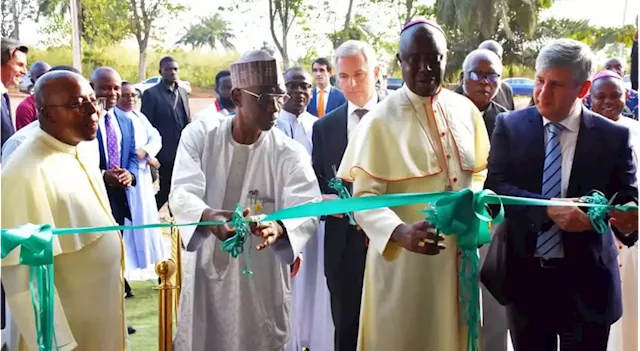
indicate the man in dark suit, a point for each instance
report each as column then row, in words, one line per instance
column 504, row 95
column 116, row 142
column 167, row 107
column 345, row 247
column 325, row 97
column 562, row 277
column 14, row 66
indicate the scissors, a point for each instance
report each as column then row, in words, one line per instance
column 610, row 203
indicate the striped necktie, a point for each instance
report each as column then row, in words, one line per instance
column 549, row 243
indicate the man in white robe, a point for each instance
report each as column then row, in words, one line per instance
column 311, row 321
column 50, row 180
column 240, row 160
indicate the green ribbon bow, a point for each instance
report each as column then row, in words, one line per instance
column 463, row 213
column 343, row 193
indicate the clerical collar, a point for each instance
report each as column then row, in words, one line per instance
column 420, row 100
column 54, row 143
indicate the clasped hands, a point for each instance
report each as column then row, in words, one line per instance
column 269, row 231
column 573, row 219
column 118, row 177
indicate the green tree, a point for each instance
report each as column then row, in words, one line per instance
column 285, row 13
column 212, row 31
column 144, row 19
column 13, row 12
column 102, row 22
column 485, row 16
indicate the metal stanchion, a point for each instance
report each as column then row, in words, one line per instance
column 176, row 256
column 165, row 270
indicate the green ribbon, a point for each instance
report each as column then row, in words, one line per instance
column 461, row 213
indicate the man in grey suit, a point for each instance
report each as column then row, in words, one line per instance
column 167, row 107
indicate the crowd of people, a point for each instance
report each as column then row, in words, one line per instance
column 79, row 153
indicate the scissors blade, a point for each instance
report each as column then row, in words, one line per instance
column 612, row 199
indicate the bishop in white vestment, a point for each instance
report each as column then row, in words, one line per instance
column 240, row 160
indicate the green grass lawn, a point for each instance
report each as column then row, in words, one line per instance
column 142, row 314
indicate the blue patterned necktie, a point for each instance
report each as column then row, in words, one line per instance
column 112, row 143
column 549, row 243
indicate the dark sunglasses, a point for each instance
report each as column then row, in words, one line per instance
column 478, row 76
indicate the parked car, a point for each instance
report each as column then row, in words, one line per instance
column 394, row 83
column 142, row 86
column 521, row 86
column 26, row 85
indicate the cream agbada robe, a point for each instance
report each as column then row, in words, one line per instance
column 413, row 144
column 48, row 182
column 221, row 309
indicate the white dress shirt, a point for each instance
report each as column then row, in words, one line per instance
column 103, row 133
column 299, row 128
column 352, row 117
column 568, row 141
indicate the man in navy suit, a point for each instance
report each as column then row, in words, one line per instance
column 325, row 97
column 345, row 247
column 562, row 277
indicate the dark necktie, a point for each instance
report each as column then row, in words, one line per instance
column 7, row 123
column 361, row 112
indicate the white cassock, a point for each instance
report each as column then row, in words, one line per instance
column 143, row 247
column 220, row 308
column 311, row 320
column 623, row 335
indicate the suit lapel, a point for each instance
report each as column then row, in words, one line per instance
column 535, row 145
column 103, row 159
column 185, row 103
column 339, row 136
column 584, row 153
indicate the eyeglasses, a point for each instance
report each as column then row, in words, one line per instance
column 85, row 107
column 130, row 96
column 298, row 85
column 268, row 98
column 478, row 76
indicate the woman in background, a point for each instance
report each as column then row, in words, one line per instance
column 143, row 247
column 608, row 99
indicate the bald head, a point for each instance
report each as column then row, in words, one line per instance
column 55, row 86
column 67, row 107
column 480, row 56
column 423, row 57
column 104, row 72
column 296, row 73
column 615, row 64
column 38, row 69
column 107, row 84
column 492, row 45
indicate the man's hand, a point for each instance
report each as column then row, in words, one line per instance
column 118, row 177
column 295, row 267
column 569, row 218
column 141, row 154
column 269, row 231
column 222, row 232
column 419, row 237
column 154, row 163
column 625, row 221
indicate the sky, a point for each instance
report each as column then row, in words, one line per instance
column 252, row 29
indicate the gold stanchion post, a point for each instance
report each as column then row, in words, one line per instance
column 165, row 270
